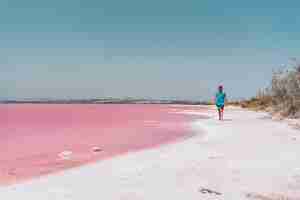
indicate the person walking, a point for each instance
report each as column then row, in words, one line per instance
column 220, row 101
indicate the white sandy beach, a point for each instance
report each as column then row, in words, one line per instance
column 247, row 156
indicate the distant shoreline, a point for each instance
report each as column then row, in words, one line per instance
column 105, row 101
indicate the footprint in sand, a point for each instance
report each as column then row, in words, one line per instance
column 209, row 191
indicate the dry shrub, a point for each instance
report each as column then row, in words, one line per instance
column 262, row 101
column 285, row 92
column 282, row 97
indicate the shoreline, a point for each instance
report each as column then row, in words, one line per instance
column 246, row 157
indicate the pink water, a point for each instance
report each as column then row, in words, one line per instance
column 33, row 135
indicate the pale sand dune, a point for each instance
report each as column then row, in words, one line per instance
column 247, row 156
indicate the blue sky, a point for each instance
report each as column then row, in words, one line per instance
column 158, row 49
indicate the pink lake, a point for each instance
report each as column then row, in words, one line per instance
column 32, row 136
